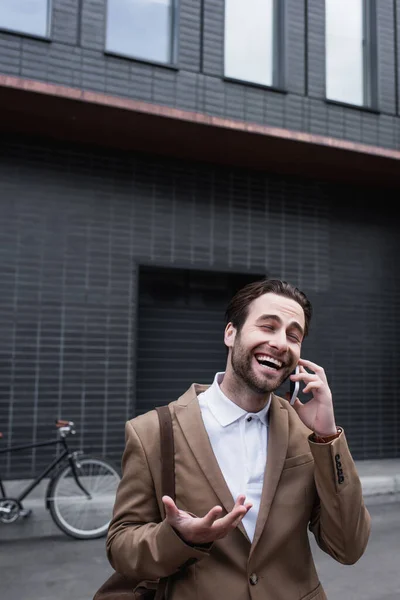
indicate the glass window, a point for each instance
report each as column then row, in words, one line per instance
column 345, row 51
column 25, row 16
column 141, row 29
column 249, row 40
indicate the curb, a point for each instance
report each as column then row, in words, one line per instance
column 380, row 489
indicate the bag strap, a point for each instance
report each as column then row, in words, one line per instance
column 167, row 472
column 167, row 452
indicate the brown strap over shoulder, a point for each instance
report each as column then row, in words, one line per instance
column 167, row 452
column 167, row 470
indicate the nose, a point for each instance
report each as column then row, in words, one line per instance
column 279, row 341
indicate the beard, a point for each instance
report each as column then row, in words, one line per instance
column 242, row 366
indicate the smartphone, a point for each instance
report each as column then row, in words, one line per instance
column 294, row 387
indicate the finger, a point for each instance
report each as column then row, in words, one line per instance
column 228, row 521
column 236, row 513
column 240, row 500
column 302, row 372
column 240, row 517
column 171, row 510
column 305, row 377
column 212, row 515
column 313, row 385
column 237, row 521
column 313, row 366
column 247, row 506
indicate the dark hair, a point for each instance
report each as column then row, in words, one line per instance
column 238, row 308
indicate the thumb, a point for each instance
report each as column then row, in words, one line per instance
column 171, row 510
column 297, row 405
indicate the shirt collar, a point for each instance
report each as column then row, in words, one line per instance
column 227, row 412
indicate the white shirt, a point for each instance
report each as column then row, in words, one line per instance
column 239, row 441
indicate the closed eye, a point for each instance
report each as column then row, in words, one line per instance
column 294, row 337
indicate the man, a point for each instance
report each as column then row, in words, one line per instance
column 252, row 472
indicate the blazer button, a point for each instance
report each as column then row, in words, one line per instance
column 337, row 457
column 338, row 464
column 341, row 479
column 253, row 579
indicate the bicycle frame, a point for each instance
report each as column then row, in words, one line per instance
column 66, row 453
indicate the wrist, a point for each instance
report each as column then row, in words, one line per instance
column 183, row 538
column 326, row 431
column 193, row 543
column 319, row 438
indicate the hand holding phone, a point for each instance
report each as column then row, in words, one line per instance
column 294, row 387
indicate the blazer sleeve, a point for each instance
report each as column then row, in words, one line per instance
column 140, row 545
column 340, row 522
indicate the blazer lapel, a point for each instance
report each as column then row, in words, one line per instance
column 278, row 438
column 189, row 417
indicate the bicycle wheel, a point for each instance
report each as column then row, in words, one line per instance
column 71, row 509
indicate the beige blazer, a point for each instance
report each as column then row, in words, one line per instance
column 305, row 484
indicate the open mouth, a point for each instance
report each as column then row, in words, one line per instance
column 269, row 362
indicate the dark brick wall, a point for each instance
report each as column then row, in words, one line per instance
column 75, row 57
column 75, row 224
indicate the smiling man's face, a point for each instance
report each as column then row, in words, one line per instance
column 267, row 348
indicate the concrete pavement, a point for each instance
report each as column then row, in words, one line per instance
column 59, row 568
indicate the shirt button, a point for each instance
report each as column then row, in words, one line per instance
column 253, row 579
column 249, row 419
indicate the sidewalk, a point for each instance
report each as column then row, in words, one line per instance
column 380, row 480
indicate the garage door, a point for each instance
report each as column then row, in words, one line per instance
column 180, row 331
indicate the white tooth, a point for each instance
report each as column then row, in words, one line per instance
column 271, row 359
column 276, row 362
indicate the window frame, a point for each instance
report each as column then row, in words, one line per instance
column 370, row 54
column 278, row 50
column 369, row 60
column 173, row 45
column 35, row 36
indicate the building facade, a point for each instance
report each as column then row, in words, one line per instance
column 158, row 154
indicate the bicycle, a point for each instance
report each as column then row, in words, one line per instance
column 80, row 493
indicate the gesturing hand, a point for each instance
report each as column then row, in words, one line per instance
column 317, row 414
column 211, row 527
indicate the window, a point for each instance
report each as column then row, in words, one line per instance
column 26, row 16
column 252, row 36
column 141, row 29
column 350, row 47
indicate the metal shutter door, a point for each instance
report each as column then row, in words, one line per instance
column 180, row 331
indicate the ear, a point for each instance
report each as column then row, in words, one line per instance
column 230, row 335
